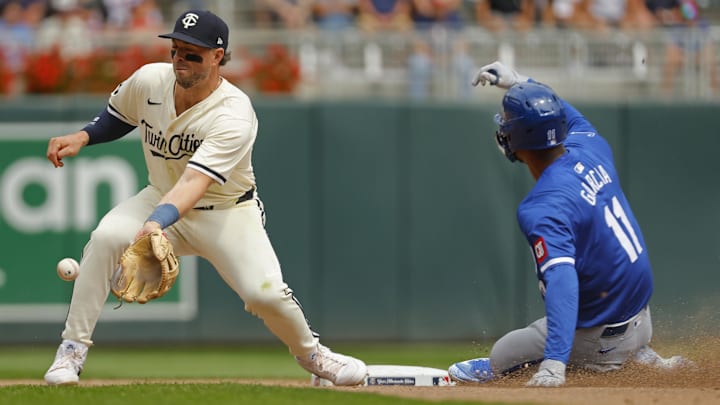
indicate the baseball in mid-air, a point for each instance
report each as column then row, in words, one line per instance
column 68, row 269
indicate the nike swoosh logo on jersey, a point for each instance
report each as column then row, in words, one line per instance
column 605, row 351
column 152, row 102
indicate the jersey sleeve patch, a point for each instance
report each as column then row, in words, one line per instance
column 540, row 250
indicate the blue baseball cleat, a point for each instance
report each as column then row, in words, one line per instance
column 476, row 371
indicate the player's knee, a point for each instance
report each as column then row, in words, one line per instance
column 111, row 239
column 263, row 302
column 516, row 350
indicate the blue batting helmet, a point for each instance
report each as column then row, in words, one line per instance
column 532, row 118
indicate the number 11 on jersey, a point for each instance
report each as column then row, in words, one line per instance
column 624, row 233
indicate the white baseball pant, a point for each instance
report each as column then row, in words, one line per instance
column 233, row 240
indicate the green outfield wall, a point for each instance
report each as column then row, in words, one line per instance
column 392, row 221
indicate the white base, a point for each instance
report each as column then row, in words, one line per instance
column 397, row 375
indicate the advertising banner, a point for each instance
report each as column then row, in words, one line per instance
column 47, row 213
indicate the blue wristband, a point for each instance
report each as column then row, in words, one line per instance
column 165, row 215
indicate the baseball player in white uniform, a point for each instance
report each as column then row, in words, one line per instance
column 197, row 132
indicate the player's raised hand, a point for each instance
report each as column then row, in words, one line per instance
column 497, row 74
column 67, row 145
column 550, row 374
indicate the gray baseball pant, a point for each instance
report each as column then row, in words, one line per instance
column 600, row 348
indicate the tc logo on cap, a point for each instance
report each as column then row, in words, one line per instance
column 190, row 20
column 201, row 28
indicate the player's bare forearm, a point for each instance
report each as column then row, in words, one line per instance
column 188, row 190
column 64, row 146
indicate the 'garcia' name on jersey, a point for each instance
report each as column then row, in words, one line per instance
column 595, row 179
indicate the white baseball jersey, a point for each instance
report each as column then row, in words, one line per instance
column 215, row 136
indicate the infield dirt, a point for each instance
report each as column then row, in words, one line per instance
column 633, row 385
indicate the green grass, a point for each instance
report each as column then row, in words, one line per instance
column 201, row 394
column 208, row 362
column 245, row 361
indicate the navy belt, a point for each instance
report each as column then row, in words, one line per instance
column 620, row 329
column 245, row 197
column 615, row 330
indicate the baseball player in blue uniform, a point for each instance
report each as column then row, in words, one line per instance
column 591, row 259
column 197, row 133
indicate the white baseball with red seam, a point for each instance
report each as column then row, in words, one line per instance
column 68, row 269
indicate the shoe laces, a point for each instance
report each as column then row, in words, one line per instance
column 70, row 357
column 329, row 362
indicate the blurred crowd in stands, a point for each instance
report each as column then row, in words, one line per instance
column 45, row 45
column 493, row 15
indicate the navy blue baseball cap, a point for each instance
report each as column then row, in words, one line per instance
column 201, row 28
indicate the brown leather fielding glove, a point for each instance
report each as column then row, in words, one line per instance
column 147, row 269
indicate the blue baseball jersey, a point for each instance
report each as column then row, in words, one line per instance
column 590, row 255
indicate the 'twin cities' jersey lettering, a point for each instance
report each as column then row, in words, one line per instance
column 214, row 136
column 595, row 179
column 183, row 144
column 154, row 139
column 175, row 147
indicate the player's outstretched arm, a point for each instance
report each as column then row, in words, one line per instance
column 64, row 146
column 499, row 75
column 188, row 190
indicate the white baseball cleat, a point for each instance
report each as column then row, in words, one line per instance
column 338, row 368
column 68, row 364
